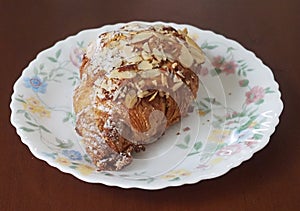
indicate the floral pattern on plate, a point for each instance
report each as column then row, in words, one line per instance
column 235, row 113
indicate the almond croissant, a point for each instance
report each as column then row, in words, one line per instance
column 135, row 82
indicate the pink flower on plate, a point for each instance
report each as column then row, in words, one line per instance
column 255, row 94
column 229, row 67
column 76, row 56
column 203, row 71
column 218, row 61
column 229, row 150
column 222, row 66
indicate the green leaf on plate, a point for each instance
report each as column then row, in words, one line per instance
column 63, row 144
column 197, row 145
column 257, row 136
column 243, row 83
column 215, row 71
column 45, row 129
column 182, row 146
column 187, row 139
column 57, row 54
column 32, row 124
column 41, row 66
column 52, row 59
column 27, row 116
column 175, row 179
column 259, row 102
column 20, row 100
column 230, row 49
column 27, row 129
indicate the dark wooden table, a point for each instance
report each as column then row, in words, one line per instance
column 268, row 181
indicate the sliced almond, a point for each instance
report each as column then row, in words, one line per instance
column 141, row 83
column 180, row 74
column 170, row 57
column 134, row 59
column 150, row 73
column 130, row 99
column 176, row 79
column 122, row 75
column 197, row 54
column 153, row 96
column 141, row 37
column 127, row 50
column 146, row 56
column 154, row 82
column 142, row 94
column 146, row 47
column 174, row 65
column 183, row 32
column 145, row 65
column 157, row 54
column 185, row 57
column 177, row 86
column 164, row 80
column 117, row 62
column 191, row 42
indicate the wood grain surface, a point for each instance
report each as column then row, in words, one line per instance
column 270, row 180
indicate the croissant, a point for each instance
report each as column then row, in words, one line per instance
column 134, row 83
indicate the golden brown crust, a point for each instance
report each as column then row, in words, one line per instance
column 135, row 83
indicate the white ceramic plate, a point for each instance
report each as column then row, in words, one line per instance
column 235, row 114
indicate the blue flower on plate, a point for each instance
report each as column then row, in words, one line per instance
column 72, row 154
column 36, row 84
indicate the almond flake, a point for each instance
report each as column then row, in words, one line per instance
column 174, row 65
column 154, row 82
column 130, row 99
column 146, row 47
column 177, row 86
column 146, row 56
column 191, row 42
column 141, row 37
column 141, row 83
column 144, row 65
column 150, row 73
column 164, row 80
column 153, row 96
column 180, row 74
column 124, row 74
column 197, row 54
column 127, row 51
column 185, row 57
column 142, row 94
column 157, row 54
column 117, row 62
column 134, row 59
column 176, row 79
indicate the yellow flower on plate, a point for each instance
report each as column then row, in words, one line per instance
column 176, row 173
column 201, row 112
column 218, row 135
column 34, row 106
column 85, row 169
column 253, row 124
column 63, row 161
column 216, row 160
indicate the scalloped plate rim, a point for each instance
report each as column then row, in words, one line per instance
column 192, row 180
